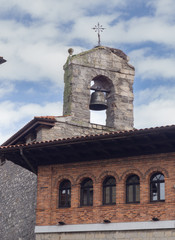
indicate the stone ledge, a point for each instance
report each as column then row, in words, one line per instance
column 125, row 226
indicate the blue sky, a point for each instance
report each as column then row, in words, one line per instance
column 36, row 35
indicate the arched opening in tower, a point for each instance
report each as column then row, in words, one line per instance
column 101, row 86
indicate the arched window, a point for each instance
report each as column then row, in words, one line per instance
column 157, row 187
column 109, row 191
column 133, row 189
column 86, row 192
column 65, row 194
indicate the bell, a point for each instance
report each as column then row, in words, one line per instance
column 98, row 101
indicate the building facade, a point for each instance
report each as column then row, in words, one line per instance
column 94, row 181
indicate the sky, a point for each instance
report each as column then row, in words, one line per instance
column 35, row 37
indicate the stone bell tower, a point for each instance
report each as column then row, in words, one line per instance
column 105, row 70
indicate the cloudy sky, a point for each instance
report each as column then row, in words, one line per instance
column 35, row 36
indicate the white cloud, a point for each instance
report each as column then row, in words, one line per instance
column 50, row 10
column 149, row 66
column 37, row 51
column 31, row 60
column 156, row 113
column 163, row 8
column 15, row 115
column 156, row 107
column 140, row 30
column 148, row 95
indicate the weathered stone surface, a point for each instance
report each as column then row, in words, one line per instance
column 118, row 235
column 65, row 127
column 104, row 66
column 17, row 203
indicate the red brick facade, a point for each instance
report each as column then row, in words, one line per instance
column 49, row 178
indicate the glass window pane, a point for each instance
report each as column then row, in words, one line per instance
column 162, row 191
column 157, row 177
column 87, row 192
column 107, row 195
column 84, row 197
column 137, row 188
column 65, row 194
column 157, row 187
column 113, row 194
column 161, row 177
column 130, row 193
column 68, row 197
column 91, row 197
column 109, row 190
column 110, row 181
column 65, row 184
column 87, row 183
column 154, row 192
column 63, row 198
column 133, row 179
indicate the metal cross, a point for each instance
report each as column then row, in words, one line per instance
column 98, row 28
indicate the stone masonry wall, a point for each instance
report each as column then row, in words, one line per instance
column 67, row 127
column 17, row 203
column 119, row 235
column 81, row 69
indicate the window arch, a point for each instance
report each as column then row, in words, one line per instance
column 109, row 191
column 86, row 198
column 133, row 189
column 157, row 187
column 65, row 194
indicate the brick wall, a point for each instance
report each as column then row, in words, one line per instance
column 49, row 178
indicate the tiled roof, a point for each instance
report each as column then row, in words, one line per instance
column 113, row 145
column 95, row 136
column 45, row 117
column 47, row 120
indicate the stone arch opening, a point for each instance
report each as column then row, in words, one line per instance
column 104, row 85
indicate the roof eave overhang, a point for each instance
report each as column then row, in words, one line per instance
column 33, row 124
column 88, row 148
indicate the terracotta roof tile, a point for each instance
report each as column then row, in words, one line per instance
column 45, row 117
column 95, row 136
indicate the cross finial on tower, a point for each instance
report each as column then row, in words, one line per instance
column 98, row 28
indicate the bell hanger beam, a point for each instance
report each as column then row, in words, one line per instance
column 99, row 89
